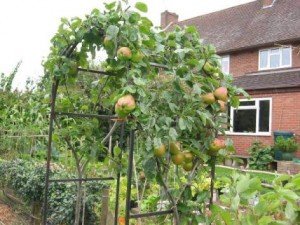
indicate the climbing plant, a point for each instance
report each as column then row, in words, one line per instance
column 167, row 85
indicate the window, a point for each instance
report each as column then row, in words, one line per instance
column 275, row 58
column 252, row 117
column 225, row 64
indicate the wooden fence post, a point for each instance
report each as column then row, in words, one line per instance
column 105, row 206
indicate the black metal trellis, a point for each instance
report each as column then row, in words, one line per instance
column 53, row 115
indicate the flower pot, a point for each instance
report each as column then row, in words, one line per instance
column 287, row 156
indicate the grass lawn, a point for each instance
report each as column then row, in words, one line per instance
column 266, row 178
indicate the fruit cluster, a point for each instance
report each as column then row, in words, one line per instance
column 186, row 158
column 178, row 157
column 220, row 95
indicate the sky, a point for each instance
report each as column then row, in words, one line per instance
column 26, row 26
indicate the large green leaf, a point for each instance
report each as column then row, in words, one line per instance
column 141, row 6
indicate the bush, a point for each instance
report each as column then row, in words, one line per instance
column 27, row 179
column 260, row 156
column 286, row 145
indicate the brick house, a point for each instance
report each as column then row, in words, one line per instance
column 259, row 44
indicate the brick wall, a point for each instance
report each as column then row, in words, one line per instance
column 288, row 167
column 243, row 62
column 247, row 61
column 285, row 117
column 296, row 56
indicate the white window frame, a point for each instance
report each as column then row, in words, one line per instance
column 225, row 57
column 256, row 106
column 280, row 58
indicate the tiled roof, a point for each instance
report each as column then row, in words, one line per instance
column 288, row 78
column 249, row 25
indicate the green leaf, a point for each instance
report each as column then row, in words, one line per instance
column 141, row 6
column 191, row 29
column 235, row 101
column 182, row 124
column 117, row 150
column 290, row 212
column 235, row 202
column 110, row 6
column 243, row 184
column 139, row 81
column 150, row 168
column 173, row 134
column 112, row 31
column 265, row 220
column 288, row 194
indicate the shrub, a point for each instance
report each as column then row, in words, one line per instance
column 27, row 180
column 260, row 156
column 286, row 145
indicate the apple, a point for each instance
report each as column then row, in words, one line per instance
column 124, row 53
column 208, row 98
column 208, row 68
column 160, row 151
column 188, row 156
column 223, row 107
column 125, row 105
column 221, row 93
column 188, row 166
column 178, row 159
column 174, row 148
column 216, row 145
column 107, row 41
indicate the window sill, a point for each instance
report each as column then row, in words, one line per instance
column 249, row 134
column 277, row 68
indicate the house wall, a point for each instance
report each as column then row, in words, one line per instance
column 243, row 62
column 285, row 117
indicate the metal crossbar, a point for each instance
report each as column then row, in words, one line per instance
column 157, row 213
column 108, row 117
column 83, row 179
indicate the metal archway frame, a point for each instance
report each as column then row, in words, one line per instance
column 54, row 114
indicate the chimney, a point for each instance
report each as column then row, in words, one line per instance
column 267, row 3
column 167, row 18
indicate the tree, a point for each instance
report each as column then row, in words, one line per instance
column 170, row 105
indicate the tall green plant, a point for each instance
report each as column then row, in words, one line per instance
column 260, row 156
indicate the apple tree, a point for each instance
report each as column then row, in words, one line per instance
column 168, row 85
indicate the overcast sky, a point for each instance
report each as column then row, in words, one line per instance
column 26, row 26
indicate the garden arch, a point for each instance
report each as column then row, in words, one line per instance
column 187, row 104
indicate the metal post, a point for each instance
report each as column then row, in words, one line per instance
column 212, row 180
column 119, row 176
column 129, row 178
column 52, row 116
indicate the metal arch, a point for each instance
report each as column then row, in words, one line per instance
column 53, row 114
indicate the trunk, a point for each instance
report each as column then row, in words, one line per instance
column 36, row 213
column 78, row 200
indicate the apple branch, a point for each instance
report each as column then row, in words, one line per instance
column 114, row 127
column 189, row 182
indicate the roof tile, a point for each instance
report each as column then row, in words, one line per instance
column 249, row 25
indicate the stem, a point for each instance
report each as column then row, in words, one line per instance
column 114, row 127
column 191, row 177
column 176, row 214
